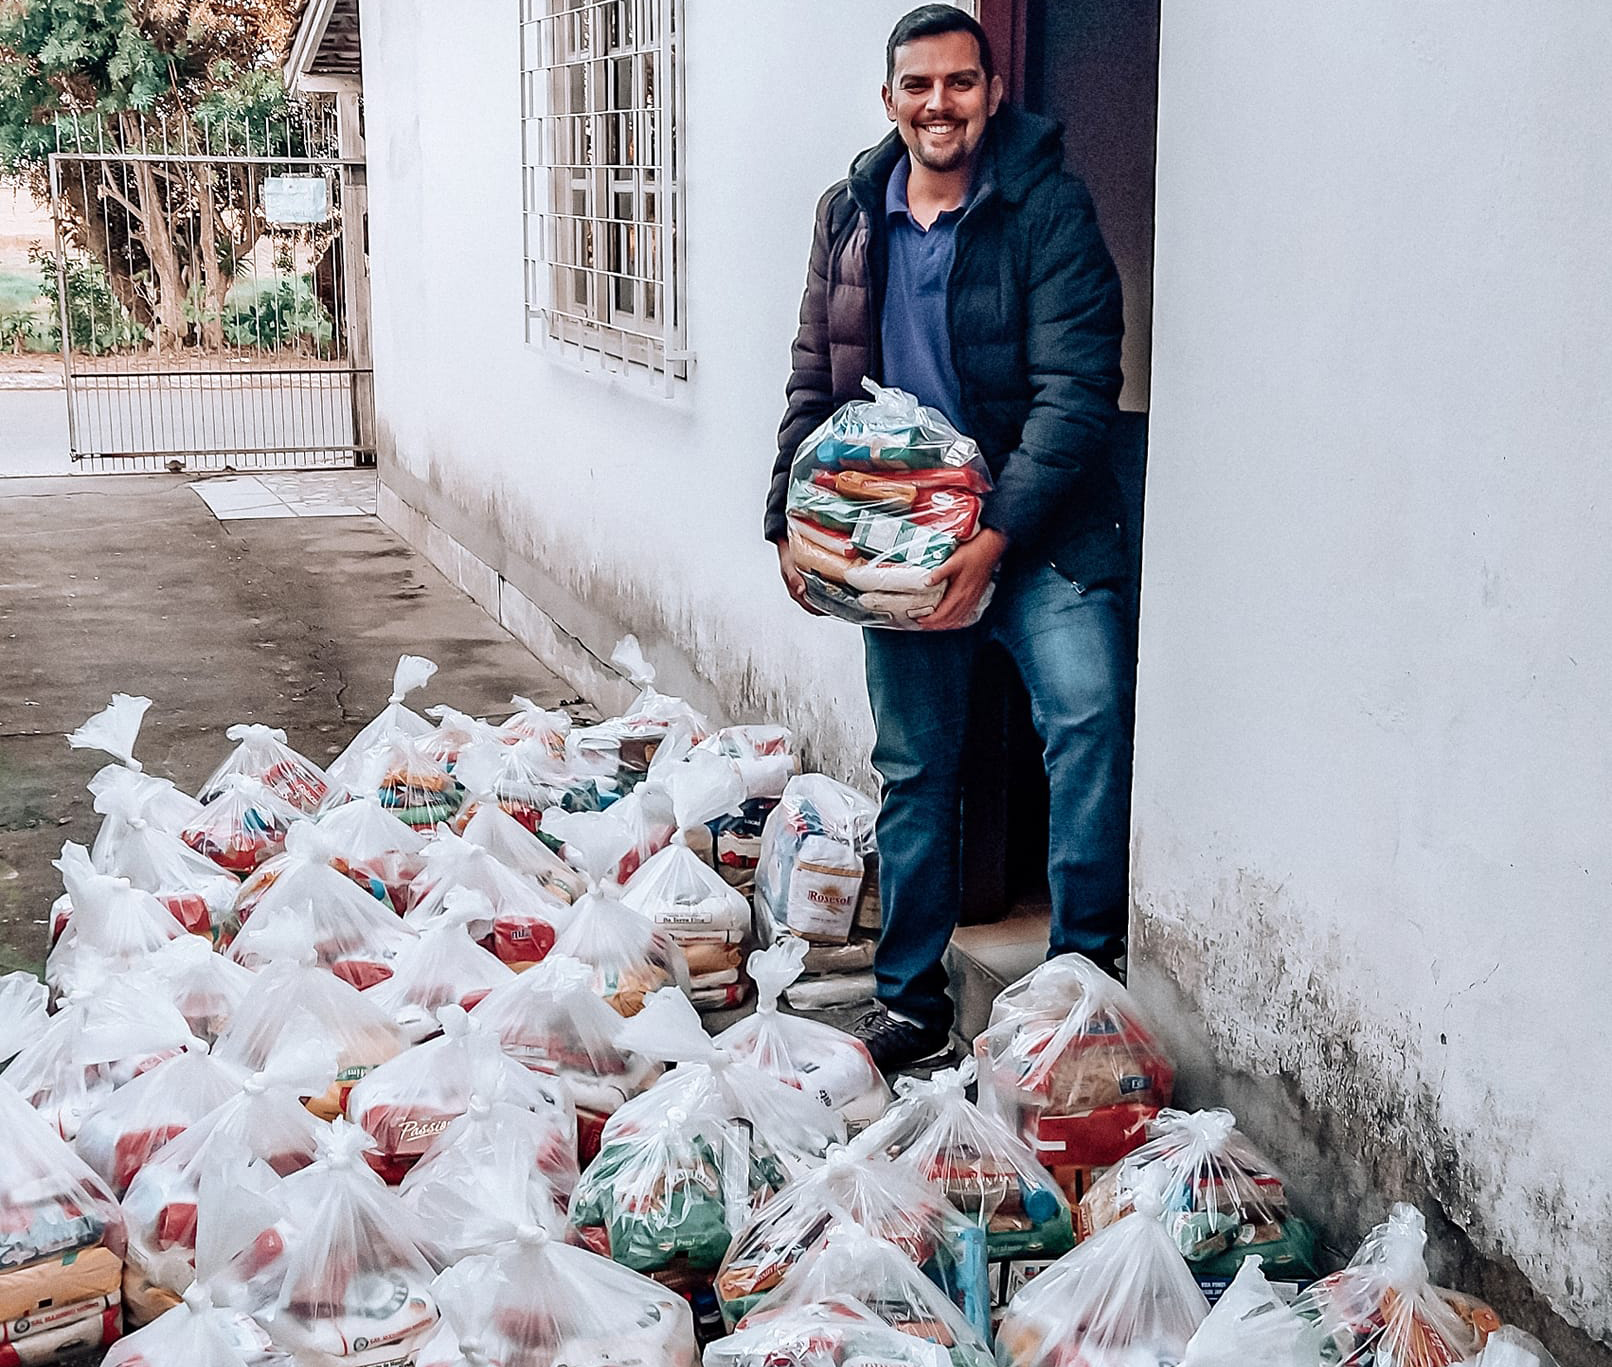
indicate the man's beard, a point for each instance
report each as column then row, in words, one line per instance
column 950, row 161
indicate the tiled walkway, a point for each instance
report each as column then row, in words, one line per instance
column 290, row 493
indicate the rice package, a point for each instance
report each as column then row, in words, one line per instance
column 294, row 1006
column 392, row 722
column 551, row 1020
column 443, row 966
column 881, row 494
column 261, row 753
column 526, row 917
column 1223, row 1199
column 540, row 1301
column 1124, row 1298
column 852, row 1298
column 1069, row 1061
column 372, row 847
column 244, row 825
column 813, row 859
column 1384, row 1311
column 891, row 1202
column 1251, row 1325
column 482, row 1179
column 204, row 987
column 409, row 1100
column 339, row 1276
column 808, row 1055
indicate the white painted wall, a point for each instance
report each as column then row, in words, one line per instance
column 1374, row 790
column 642, row 510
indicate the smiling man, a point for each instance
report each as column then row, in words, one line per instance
column 961, row 263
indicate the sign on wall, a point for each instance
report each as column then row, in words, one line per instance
column 296, row 199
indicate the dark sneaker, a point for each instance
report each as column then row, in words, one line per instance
column 897, row 1044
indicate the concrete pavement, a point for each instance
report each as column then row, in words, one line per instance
column 128, row 583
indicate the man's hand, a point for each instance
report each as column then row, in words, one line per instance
column 794, row 580
column 966, row 573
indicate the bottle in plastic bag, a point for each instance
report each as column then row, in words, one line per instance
column 483, row 1178
column 834, row 1302
column 551, row 1020
column 242, row 827
column 1070, row 1062
column 1383, row 1309
column 444, row 966
column 1251, row 1326
column 406, row 1102
column 542, row 1301
column 262, row 754
column 809, row 1055
column 881, row 494
column 394, row 720
column 891, row 1202
column 1223, row 1199
column 1124, row 1298
column 814, row 852
column 526, row 917
column 372, row 847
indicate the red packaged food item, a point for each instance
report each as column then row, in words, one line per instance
column 1069, row 1062
column 405, row 1103
column 262, row 754
column 243, row 826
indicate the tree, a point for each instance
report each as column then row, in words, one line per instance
column 177, row 76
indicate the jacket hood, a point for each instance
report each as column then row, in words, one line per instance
column 1021, row 150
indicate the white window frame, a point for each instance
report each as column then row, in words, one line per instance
column 602, row 191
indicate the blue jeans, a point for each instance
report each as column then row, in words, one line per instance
column 1071, row 647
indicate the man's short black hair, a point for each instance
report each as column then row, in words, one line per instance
column 929, row 21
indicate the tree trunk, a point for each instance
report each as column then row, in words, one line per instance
column 216, row 279
column 156, row 232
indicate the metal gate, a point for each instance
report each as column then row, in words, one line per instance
column 212, row 290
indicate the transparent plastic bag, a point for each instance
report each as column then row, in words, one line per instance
column 1223, row 1199
column 526, row 917
column 196, row 1333
column 808, row 1055
column 1510, row 1347
column 814, row 852
column 683, row 895
column 532, row 721
column 409, row 1100
column 879, row 495
column 1251, row 1326
column 394, row 720
column 23, row 1003
column 523, row 779
column 244, row 825
column 51, row 1202
column 493, row 829
column 1124, row 1298
column 372, row 847
column 541, row 1301
column 1383, row 1309
column 455, row 732
column 262, row 754
column 204, row 987
column 309, row 904
column 641, row 823
column 264, row 1120
column 653, row 711
column 198, row 893
column 408, row 784
column 340, row 1274
column 294, row 1006
column 443, row 967
column 891, row 1202
column 846, row 1271
column 551, row 1020
column 108, row 1033
column 1070, row 1062
column 112, row 927
column 482, row 1179
column 989, row 1174
column 765, row 755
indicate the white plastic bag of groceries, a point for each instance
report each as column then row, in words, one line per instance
column 443, row 967
column 412, row 672
column 197, row 1333
column 455, row 732
column 23, row 1002
column 1127, row 1290
column 1509, row 1346
column 814, row 851
column 114, row 730
column 204, row 987
column 494, row 830
column 1251, row 1326
column 261, row 753
column 809, row 1055
column 882, row 493
column 523, row 778
column 114, row 926
column 532, row 721
column 373, row 848
column 541, row 1301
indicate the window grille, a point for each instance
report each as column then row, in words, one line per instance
column 602, row 166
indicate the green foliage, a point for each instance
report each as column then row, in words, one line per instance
column 16, row 331
column 285, row 314
column 96, row 321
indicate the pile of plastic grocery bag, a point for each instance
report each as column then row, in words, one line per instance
column 401, row 1063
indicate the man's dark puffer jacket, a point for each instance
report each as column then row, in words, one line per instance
column 1036, row 324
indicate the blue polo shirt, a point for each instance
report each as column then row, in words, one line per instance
column 913, row 329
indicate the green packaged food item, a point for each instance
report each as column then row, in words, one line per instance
column 901, row 541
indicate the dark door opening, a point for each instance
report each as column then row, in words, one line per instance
column 1093, row 66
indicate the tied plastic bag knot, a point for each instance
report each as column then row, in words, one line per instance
column 628, row 657
column 197, row 1299
column 676, row 1117
column 840, row 1159
column 773, row 969
column 479, row 1107
column 1403, row 1246
column 1152, row 1193
column 413, row 671
column 565, row 974
column 254, row 731
column 114, row 729
column 463, row 907
column 456, row 1023
column 343, row 1148
column 1203, row 1132
column 530, row 1236
column 473, row 1354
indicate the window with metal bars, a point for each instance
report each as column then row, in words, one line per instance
column 601, row 164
